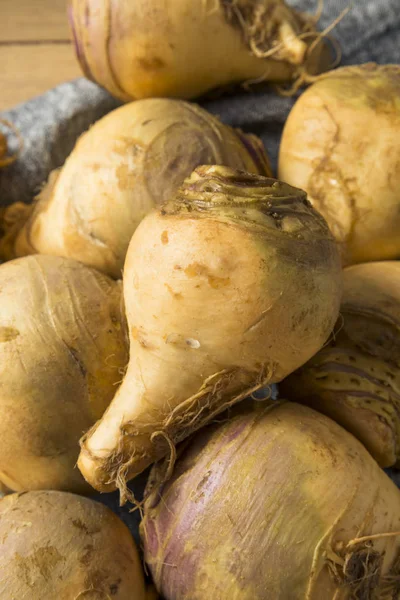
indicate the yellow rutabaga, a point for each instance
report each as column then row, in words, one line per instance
column 62, row 353
column 231, row 285
column 183, row 48
column 355, row 379
column 341, row 144
column 275, row 503
column 133, row 159
column 58, row 546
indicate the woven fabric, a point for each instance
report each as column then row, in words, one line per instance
column 50, row 124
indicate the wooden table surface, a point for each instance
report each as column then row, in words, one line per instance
column 36, row 53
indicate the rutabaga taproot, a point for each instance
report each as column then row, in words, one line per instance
column 130, row 161
column 63, row 350
column 230, row 286
column 58, row 546
column 183, row 48
column 355, row 379
column 276, row 503
column 341, row 144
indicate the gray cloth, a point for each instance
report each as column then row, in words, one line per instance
column 51, row 123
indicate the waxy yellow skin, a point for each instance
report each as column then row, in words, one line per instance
column 56, row 545
column 232, row 285
column 63, row 350
column 341, row 145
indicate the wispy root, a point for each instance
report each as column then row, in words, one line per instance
column 357, row 567
column 269, row 33
column 303, row 75
column 263, row 25
column 335, row 332
column 141, row 443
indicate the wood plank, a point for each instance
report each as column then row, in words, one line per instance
column 28, row 71
column 25, row 20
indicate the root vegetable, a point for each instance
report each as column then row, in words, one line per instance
column 230, row 286
column 130, row 161
column 355, row 378
column 275, row 503
column 341, row 145
column 63, row 349
column 183, row 48
column 56, row 545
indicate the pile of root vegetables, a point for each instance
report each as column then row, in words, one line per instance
column 160, row 284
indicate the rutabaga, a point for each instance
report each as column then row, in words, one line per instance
column 230, row 286
column 355, row 379
column 133, row 159
column 276, row 503
column 58, row 546
column 63, row 350
column 341, row 144
column 183, row 48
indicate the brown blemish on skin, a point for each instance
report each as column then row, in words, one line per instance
column 137, row 335
column 125, row 145
column 80, row 525
column 164, row 237
column 87, row 558
column 176, row 295
column 114, row 587
column 203, row 481
column 40, row 563
column 98, row 580
column 151, row 63
column 196, row 269
column 125, row 177
column 75, row 355
column 7, row 334
column 218, row 282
